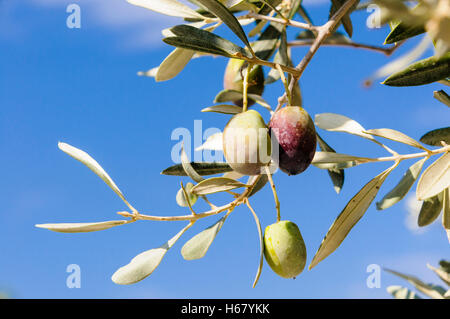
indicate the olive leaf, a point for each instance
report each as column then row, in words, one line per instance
column 346, row 21
column 173, row 64
column 141, row 266
column 190, row 171
column 399, row 292
column 261, row 246
column 197, row 246
column 446, row 213
column 227, row 96
column 435, row 178
column 81, row 227
column 340, row 123
column 443, row 97
column 281, row 57
column 403, row 186
column 150, row 73
column 213, row 142
column 337, row 175
column 432, row 291
column 402, row 32
column 430, row 210
column 202, row 168
column 224, row 109
column 188, row 37
column 220, row 11
column 435, row 137
column 441, row 273
column 395, row 136
column 266, row 44
column 93, row 165
column 422, row 72
column 333, row 160
column 259, row 184
column 349, row 216
column 168, row 7
column 215, row 185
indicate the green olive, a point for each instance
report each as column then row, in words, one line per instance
column 284, row 249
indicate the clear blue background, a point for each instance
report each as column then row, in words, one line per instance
column 80, row 86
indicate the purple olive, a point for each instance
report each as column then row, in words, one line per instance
column 293, row 129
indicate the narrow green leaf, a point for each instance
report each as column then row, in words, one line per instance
column 349, row 217
column 195, row 39
column 173, row 64
column 446, row 214
column 403, row 187
column 224, row 109
column 145, row 263
column 337, row 175
column 435, row 178
column 202, row 168
column 92, row 164
column 346, row 21
column 281, row 57
column 220, row 11
column 429, row 290
column 168, row 7
column 402, row 32
column 259, row 185
column 430, row 210
column 443, row 97
column 228, row 96
column 213, row 142
column 399, row 292
column 395, row 136
column 190, row 171
column 266, row 44
column 81, row 227
column 197, row 246
column 215, row 185
column 422, row 72
column 340, row 123
column 441, row 273
column 261, row 246
column 333, row 160
column 435, row 137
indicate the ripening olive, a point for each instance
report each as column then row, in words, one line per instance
column 284, row 249
column 293, row 129
column 246, row 143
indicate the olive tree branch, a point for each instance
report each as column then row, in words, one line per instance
column 387, row 51
column 230, row 206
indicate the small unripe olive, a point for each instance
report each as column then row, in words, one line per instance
column 246, row 143
column 284, row 249
column 233, row 79
column 181, row 198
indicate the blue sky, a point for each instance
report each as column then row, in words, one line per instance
column 80, row 86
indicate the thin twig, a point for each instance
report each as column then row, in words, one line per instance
column 292, row 23
column 274, row 191
column 387, row 51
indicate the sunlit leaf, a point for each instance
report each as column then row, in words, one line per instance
column 435, row 178
column 340, row 123
column 441, row 273
column 87, row 160
column 220, row 11
column 395, row 136
column 81, row 227
column 443, row 97
column 422, row 72
column 197, row 246
column 215, row 185
column 190, row 171
column 195, row 39
column 261, row 245
column 202, row 168
column 213, row 142
column 446, row 207
column 168, row 7
column 349, row 216
column 432, row 291
column 227, row 96
column 333, row 160
column 224, row 109
column 259, row 184
column 430, row 210
column 435, row 137
column 181, row 198
column 173, row 64
column 403, row 187
column 337, row 175
column 145, row 263
column 399, row 292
